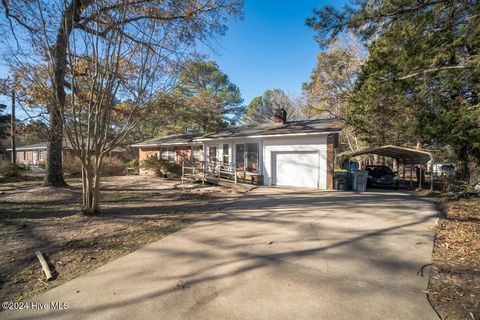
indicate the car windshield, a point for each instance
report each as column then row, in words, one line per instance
column 379, row 171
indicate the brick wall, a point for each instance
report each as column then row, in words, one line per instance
column 144, row 153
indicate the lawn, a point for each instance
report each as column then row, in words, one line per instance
column 454, row 288
column 135, row 211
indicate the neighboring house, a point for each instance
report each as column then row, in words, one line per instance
column 34, row 154
column 297, row 153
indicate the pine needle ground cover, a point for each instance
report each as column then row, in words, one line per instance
column 454, row 288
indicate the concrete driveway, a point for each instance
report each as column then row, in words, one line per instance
column 274, row 254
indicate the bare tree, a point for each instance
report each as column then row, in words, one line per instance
column 169, row 27
column 331, row 85
column 262, row 108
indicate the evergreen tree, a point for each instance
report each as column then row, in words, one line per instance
column 205, row 98
column 421, row 78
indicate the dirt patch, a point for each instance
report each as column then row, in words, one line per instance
column 135, row 211
column 454, row 288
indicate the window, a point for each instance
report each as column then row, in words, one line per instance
column 247, row 153
column 226, row 155
column 240, row 156
column 212, row 154
column 41, row 155
column 168, row 154
column 252, row 157
column 197, row 154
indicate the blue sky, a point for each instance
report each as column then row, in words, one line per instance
column 271, row 47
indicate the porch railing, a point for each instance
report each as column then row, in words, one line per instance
column 214, row 169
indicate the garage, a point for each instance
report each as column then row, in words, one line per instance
column 295, row 169
column 296, row 162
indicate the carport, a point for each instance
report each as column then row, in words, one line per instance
column 403, row 156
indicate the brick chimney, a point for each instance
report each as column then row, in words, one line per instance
column 280, row 116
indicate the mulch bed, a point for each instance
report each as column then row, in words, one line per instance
column 454, row 288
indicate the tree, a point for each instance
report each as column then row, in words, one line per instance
column 331, row 87
column 31, row 132
column 421, row 78
column 205, row 98
column 168, row 28
column 262, row 108
column 4, row 127
column 4, row 122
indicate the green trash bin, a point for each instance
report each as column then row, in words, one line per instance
column 341, row 180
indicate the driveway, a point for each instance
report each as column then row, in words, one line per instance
column 274, row 254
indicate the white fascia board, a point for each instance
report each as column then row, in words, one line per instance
column 163, row 144
column 25, row 149
column 270, row 136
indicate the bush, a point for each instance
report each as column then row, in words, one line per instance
column 112, row 165
column 72, row 165
column 133, row 164
column 41, row 164
column 161, row 167
column 10, row 170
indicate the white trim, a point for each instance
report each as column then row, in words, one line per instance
column 164, row 144
column 25, row 149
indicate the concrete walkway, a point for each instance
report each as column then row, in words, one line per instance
column 274, row 254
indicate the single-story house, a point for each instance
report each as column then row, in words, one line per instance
column 34, row 154
column 296, row 153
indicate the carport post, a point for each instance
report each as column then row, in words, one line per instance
column 420, row 176
column 431, row 174
column 411, row 175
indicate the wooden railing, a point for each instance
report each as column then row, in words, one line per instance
column 215, row 169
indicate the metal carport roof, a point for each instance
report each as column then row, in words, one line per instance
column 404, row 155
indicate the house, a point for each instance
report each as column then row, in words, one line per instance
column 297, row 153
column 35, row 154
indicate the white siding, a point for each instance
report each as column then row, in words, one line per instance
column 317, row 145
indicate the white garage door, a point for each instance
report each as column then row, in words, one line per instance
column 296, row 169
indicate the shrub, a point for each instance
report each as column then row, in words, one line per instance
column 41, row 164
column 10, row 170
column 112, row 165
column 161, row 167
column 133, row 164
column 72, row 165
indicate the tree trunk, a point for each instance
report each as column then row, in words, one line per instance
column 54, row 169
column 91, row 190
column 473, row 164
column 89, row 203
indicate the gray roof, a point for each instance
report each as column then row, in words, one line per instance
column 289, row 128
column 171, row 139
column 36, row 146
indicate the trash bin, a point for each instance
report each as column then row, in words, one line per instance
column 359, row 180
column 341, row 180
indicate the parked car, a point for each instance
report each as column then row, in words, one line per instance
column 381, row 176
column 444, row 170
